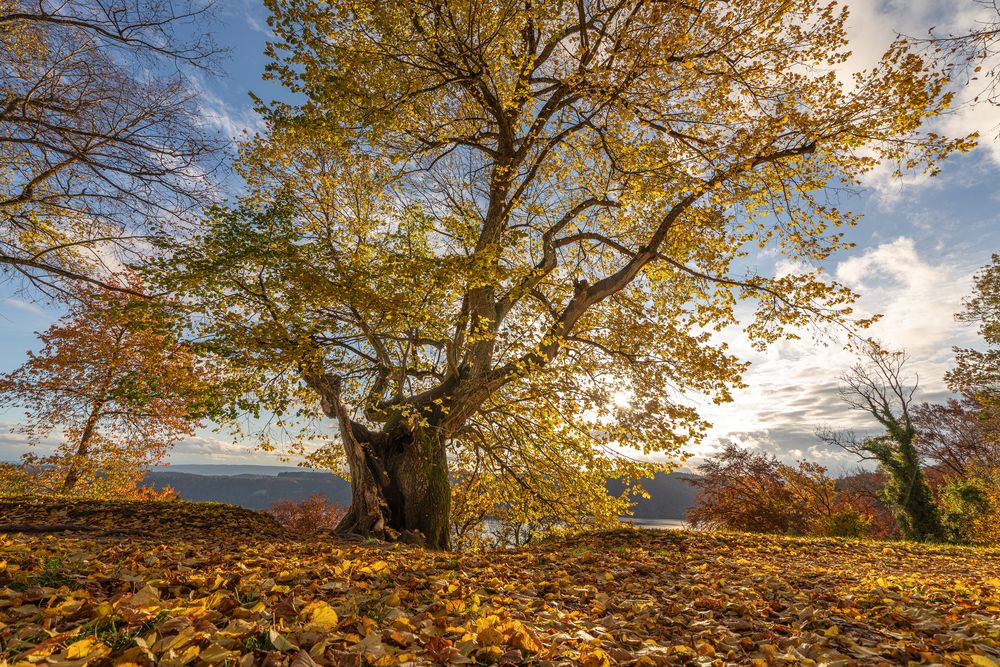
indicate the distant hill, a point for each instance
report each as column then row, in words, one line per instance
column 227, row 470
column 253, row 491
column 670, row 496
column 258, row 487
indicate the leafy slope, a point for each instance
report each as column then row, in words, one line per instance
column 164, row 519
column 628, row 597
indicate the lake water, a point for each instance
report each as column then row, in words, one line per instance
column 657, row 524
column 492, row 530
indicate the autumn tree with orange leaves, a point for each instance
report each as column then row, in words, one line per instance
column 310, row 515
column 114, row 384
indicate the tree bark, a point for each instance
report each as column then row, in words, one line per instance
column 82, row 449
column 100, row 400
column 399, row 476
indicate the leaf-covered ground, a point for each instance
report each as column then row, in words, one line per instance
column 239, row 597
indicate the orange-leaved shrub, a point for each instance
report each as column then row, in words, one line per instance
column 22, row 480
column 863, row 491
column 749, row 491
column 152, row 493
column 311, row 515
column 960, row 440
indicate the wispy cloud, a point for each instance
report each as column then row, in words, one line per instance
column 199, row 448
column 13, row 445
column 27, row 307
column 234, row 121
column 257, row 25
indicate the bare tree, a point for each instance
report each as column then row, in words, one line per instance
column 984, row 42
column 976, row 50
column 959, row 436
column 102, row 145
column 878, row 385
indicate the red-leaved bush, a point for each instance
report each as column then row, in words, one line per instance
column 311, row 515
column 739, row 489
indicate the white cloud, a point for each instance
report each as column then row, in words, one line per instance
column 234, row 122
column 220, row 446
column 918, row 298
column 199, row 448
column 889, row 188
column 211, row 449
column 258, row 26
column 14, row 444
column 26, row 307
column 793, row 386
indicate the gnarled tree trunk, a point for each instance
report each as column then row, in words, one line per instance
column 399, row 476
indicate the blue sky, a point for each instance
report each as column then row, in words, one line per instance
column 917, row 248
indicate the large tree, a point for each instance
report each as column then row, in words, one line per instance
column 102, row 142
column 505, row 232
column 113, row 384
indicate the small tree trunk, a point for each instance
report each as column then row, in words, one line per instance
column 366, row 516
column 908, row 492
column 82, row 449
column 923, row 518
